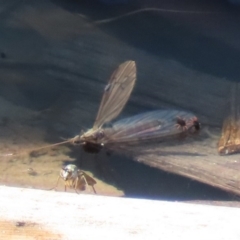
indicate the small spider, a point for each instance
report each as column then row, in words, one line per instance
column 185, row 125
column 181, row 124
column 75, row 178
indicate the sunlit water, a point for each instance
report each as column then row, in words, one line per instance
column 54, row 66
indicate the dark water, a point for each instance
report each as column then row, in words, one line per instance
column 56, row 59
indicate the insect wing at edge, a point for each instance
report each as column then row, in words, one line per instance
column 116, row 93
column 90, row 181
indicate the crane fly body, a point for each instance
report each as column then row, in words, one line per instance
column 143, row 127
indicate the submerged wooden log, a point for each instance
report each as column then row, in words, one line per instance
column 198, row 158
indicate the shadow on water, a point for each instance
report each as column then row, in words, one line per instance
column 140, row 181
column 168, row 37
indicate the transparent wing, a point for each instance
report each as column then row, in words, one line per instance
column 116, row 93
column 151, row 125
column 90, row 181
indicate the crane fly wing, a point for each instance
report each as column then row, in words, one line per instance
column 151, row 125
column 116, row 93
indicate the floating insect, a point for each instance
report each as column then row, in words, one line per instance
column 75, row 178
column 142, row 127
column 154, row 125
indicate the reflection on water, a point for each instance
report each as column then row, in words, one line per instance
column 54, row 65
column 114, row 174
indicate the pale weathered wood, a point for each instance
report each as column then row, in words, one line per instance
column 72, row 216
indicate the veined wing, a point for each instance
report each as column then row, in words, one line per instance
column 116, row 93
column 90, row 181
column 150, row 125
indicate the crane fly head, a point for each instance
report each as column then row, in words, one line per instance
column 92, row 135
column 77, row 140
column 90, row 140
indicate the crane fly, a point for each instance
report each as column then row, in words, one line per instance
column 75, row 178
column 147, row 126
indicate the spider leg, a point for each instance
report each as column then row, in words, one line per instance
column 54, row 188
column 76, row 185
column 94, row 189
column 85, row 180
